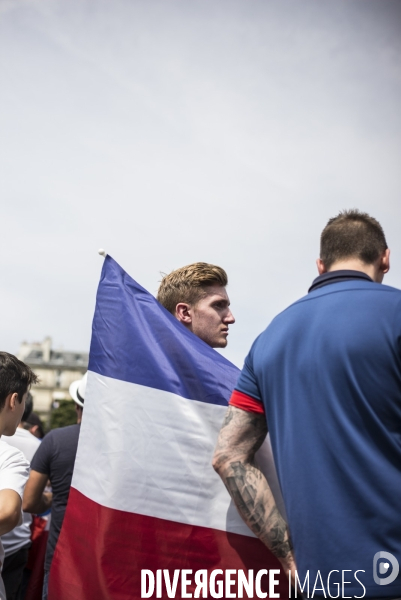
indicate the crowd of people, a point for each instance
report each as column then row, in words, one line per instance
column 51, row 462
column 324, row 379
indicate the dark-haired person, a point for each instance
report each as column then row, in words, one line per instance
column 325, row 379
column 16, row 543
column 15, row 381
column 35, row 426
column 196, row 295
column 54, row 460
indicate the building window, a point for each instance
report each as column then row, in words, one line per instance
column 58, row 378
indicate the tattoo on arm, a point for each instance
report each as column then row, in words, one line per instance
column 241, row 436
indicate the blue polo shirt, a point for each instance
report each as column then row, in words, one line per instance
column 327, row 374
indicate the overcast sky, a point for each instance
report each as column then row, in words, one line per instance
column 169, row 132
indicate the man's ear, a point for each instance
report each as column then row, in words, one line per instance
column 385, row 262
column 320, row 266
column 183, row 313
column 11, row 401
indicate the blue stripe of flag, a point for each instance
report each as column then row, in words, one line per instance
column 135, row 339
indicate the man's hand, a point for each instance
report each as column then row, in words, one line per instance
column 241, row 436
column 36, row 500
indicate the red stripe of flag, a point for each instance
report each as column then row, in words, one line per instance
column 101, row 551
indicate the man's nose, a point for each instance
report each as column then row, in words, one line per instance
column 229, row 318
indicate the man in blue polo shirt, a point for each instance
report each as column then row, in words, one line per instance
column 325, row 379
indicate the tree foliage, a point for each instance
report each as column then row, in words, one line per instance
column 65, row 414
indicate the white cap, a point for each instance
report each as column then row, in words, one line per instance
column 77, row 390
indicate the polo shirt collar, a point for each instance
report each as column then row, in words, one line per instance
column 336, row 277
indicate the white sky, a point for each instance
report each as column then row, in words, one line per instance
column 172, row 131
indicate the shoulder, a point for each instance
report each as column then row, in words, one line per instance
column 64, row 433
column 10, row 456
column 45, row 449
column 60, row 432
column 14, row 468
column 392, row 293
column 375, row 291
column 355, row 286
column 24, row 441
column 61, row 437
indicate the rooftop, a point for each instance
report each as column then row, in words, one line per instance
column 57, row 358
column 41, row 354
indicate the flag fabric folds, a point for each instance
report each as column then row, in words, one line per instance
column 144, row 494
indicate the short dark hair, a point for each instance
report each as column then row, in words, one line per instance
column 15, row 377
column 28, row 408
column 189, row 284
column 32, row 421
column 352, row 234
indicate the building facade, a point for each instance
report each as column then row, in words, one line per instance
column 56, row 370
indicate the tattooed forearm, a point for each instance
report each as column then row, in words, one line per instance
column 279, row 536
column 253, row 498
column 241, row 436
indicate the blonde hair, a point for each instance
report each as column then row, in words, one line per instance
column 189, row 284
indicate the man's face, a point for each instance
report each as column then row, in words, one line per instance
column 211, row 317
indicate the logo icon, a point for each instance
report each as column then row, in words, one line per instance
column 383, row 567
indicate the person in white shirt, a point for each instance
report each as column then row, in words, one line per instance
column 16, row 543
column 15, row 381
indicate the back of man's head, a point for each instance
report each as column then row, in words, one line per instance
column 28, row 408
column 34, row 425
column 15, row 377
column 352, row 235
column 189, row 284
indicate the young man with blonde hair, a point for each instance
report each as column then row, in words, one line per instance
column 196, row 295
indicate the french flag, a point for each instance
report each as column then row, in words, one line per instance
column 144, row 494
